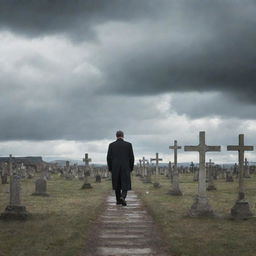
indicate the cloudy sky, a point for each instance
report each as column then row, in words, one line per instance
column 74, row 72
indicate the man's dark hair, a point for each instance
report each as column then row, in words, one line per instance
column 119, row 134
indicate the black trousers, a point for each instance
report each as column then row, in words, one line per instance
column 119, row 194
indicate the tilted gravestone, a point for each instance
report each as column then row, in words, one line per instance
column 15, row 210
column 40, row 187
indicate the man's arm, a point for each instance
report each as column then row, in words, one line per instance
column 109, row 158
column 131, row 158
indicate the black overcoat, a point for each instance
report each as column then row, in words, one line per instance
column 120, row 160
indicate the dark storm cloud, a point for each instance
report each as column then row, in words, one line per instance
column 74, row 18
column 53, row 89
column 207, row 45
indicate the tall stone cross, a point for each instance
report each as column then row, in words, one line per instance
column 175, row 190
column 202, row 148
column 157, row 159
column 241, row 148
column 87, row 160
column 201, row 206
column 175, row 148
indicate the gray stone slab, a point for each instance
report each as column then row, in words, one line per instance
column 126, row 221
column 123, row 251
column 124, row 243
column 118, row 236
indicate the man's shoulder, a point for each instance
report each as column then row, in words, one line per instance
column 123, row 141
column 128, row 143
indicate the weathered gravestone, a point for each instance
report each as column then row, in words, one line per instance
column 170, row 171
column 175, row 189
column 86, row 184
column 4, row 173
column 40, row 187
column 246, row 169
column 146, row 171
column 15, row 211
column 241, row 209
column 229, row 177
column 98, row 178
column 201, row 206
column 156, row 183
column 211, row 185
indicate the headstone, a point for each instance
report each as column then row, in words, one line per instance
column 229, row 177
column 201, row 206
column 246, row 169
column 15, row 210
column 4, row 173
column 40, row 187
column 98, row 178
column 241, row 209
column 86, row 184
column 175, row 189
column 170, row 171
column 211, row 185
column 146, row 171
column 156, row 183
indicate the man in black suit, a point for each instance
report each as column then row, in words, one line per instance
column 120, row 160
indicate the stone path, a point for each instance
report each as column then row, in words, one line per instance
column 127, row 230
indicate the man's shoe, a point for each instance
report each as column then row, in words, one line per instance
column 123, row 202
column 118, row 202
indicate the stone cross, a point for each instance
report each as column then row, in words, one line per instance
column 201, row 206
column 86, row 184
column 241, row 209
column 241, row 148
column 175, row 148
column 175, row 190
column 157, row 159
column 87, row 160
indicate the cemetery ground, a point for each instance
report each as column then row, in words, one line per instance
column 59, row 224
column 186, row 236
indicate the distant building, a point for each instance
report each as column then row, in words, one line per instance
column 28, row 160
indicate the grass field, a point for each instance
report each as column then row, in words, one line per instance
column 59, row 224
column 201, row 236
